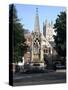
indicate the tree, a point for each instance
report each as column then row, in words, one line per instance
column 18, row 39
column 60, row 37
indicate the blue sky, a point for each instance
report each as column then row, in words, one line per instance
column 26, row 13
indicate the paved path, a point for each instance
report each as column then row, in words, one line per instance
column 40, row 78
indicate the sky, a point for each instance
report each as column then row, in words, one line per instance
column 26, row 14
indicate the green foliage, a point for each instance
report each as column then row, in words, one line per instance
column 60, row 37
column 18, row 45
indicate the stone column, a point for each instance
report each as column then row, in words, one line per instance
column 32, row 50
column 41, row 52
column 51, row 51
column 41, row 58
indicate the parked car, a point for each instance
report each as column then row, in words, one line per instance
column 60, row 66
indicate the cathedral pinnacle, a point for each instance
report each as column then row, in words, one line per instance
column 36, row 11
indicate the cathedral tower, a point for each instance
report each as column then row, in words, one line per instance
column 48, row 31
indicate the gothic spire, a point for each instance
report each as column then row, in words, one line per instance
column 36, row 11
column 36, row 25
